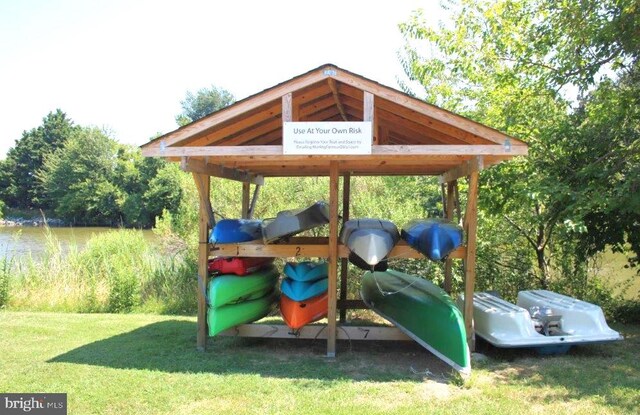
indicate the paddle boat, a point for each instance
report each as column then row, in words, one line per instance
column 434, row 238
column 547, row 321
column 228, row 231
column 421, row 310
column 290, row 222
column 369, row 241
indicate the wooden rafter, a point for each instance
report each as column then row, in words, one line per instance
column 462, row 170
column 336, row 97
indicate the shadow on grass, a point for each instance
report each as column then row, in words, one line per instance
column 169, row 346
column 610, row 372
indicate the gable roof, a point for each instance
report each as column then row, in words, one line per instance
column 410, row 136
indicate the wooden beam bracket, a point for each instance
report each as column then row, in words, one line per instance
column 476, row 164
column 189, row 164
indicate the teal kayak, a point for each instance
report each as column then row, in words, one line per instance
column 421, row 310
column 227, row 289
column 221, row 318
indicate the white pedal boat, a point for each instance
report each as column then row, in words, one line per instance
column 540, row 319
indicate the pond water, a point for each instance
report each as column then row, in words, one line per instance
column 21, row 241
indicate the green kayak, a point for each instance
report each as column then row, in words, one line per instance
column 229, row 289
column 422, row 310
column 230, row 315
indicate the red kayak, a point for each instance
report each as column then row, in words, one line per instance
column 300, row 313
column 238, row 265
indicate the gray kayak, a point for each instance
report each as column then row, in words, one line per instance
column 371, row 240
column 291, row 222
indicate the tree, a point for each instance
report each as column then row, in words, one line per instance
column 203, row 103
column 18, row 172
column 505, row 63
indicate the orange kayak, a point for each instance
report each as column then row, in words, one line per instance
column 299, row 313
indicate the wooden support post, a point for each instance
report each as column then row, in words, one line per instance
column 203, row 257
column 203, row 182
column 287, row 107
column 368, row 115
column 344, row 263
column 246, row 193
column 333, row 257
column 254, row 200
column 450, row 205
column 471, row 226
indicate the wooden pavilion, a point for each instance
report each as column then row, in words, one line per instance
column 244, row 142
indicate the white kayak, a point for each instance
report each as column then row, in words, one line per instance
column 371, row 240
column 540, row 318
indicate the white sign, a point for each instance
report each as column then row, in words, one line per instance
column 324, row 137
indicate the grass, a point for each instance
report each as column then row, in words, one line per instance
column 146, row 364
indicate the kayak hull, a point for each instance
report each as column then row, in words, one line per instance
column 291, row 222
column 301, row 291
column 297, row 314
column 222, row 318
column 227, row 289
column 228, row 231
column 370, row 240
column 306, row 271
column 434, row 238
column 421, row 310
column 238, row 265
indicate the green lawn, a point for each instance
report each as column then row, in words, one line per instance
column 147, row 364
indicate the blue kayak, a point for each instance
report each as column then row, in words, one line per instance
column 229, row 231
column 306, row 271
column 301, row 291
column 434, row 238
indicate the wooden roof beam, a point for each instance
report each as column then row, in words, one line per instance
column 400, row 151
column 203, row 167
column 476, row 164
column 336, row 97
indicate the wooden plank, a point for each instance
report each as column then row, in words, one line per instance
column 344, row 263
column 287, row 111
column 336, row 97
column 334, row 180
column 190, row 164
column 317, row 331
column 246, row 194
column 463, row 170
column 471, row 222
column 448, row 264
column 407, row 151
column 367, row 106
column 203, row 257
column 310, row 247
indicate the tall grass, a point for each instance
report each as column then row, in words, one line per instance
column 118, row 271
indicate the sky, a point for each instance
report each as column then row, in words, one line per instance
column 125, row 65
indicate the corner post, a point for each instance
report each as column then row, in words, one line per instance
column 246, row 193
column 344, row 263
column 334, row 179
column 203, row 183
column 471, row 227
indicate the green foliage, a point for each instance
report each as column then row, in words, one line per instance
column 19, row 186
column 505, row 64
column 118, row 271
column 203, row 103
